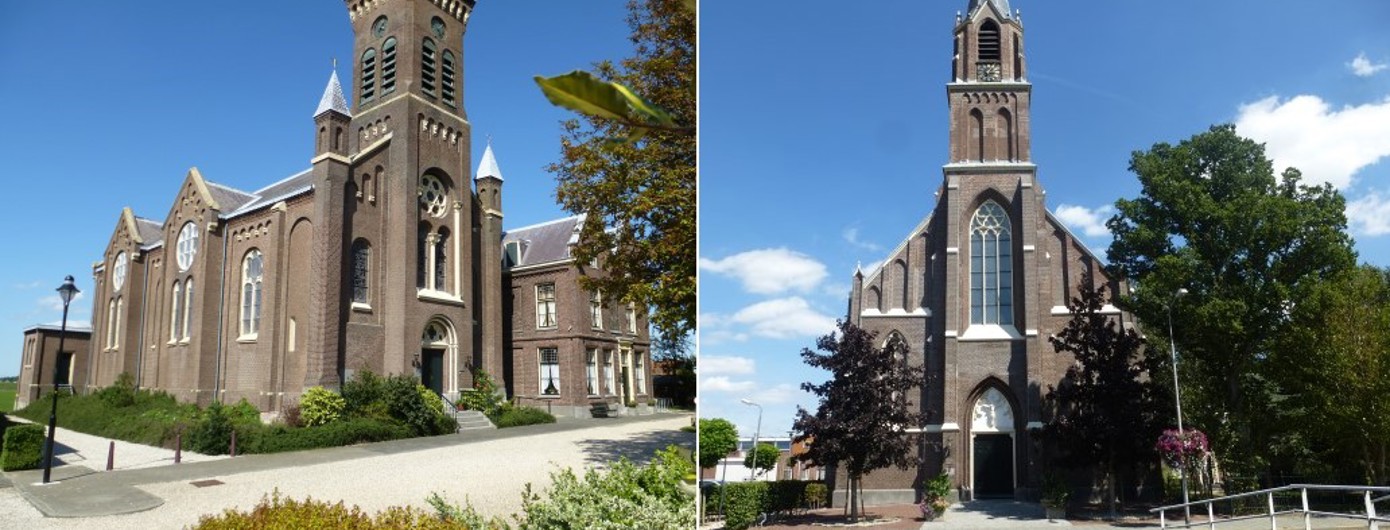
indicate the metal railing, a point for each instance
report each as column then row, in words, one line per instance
column 1269, row 511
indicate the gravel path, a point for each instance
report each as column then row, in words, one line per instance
column 491, row 474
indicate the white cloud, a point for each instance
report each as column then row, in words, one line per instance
column 28, row 285
column 1370, row 215
column 724, row 384
column 1090, row 221
column 870, row 268
column 783, row 394
column 1326, row 145
column 1363, row 67
column 715, row 337
column 851, row 236
column 770, row 271
column 784, row 318
column 730, row 365
column 53, row 303
column 72, row 324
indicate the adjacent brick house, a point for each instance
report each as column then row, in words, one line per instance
column 976, row 288
column 41, row 360
column 381, row 256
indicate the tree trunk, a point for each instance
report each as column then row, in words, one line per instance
column 853, row 500
column 1110, row 484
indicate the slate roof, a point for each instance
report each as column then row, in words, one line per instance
column 152, row 232
column 488, row 167
column 292, row 186
column 333, row 98
column 546, row 242
column 1002, row 5
column 227, row 197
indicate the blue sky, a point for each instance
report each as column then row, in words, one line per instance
column 110, row 103
column 823, row 131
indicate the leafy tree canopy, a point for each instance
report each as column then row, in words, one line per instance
column 762, row 458
column 718, row 438
column 639, row 196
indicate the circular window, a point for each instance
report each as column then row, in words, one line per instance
column 187, row 245
column 118, row 270
column 432, row 196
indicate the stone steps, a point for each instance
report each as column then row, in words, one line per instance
column 472, row 420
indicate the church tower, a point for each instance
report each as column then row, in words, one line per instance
column 989, row 92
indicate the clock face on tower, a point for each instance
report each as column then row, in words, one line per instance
column 988, row 72
column 379, row 27
column 437, row 24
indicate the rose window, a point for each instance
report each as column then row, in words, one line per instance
column 432, row 196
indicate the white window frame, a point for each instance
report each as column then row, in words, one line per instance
column 548, row 377
column 118, row 271
column 591, row 371
column 991, row 249
column 175, row 317
column 546, row 317
column 251, row 294
column 186, row 248
column 187, row 309
column 639, row 368
column 610, row 375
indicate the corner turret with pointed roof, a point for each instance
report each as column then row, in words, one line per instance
column 331, row 120
column 489, row 183
column 488, row 167
column 333, row 98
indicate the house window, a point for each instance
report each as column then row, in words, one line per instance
column 610, row 379
column 545, row 305
column 550, row 372
column 631, row 318
column 361, row 255
column 639, row 362
column 187, row 309
column 176, row 313
column 252, row 276
column 427, row 67
column 991, row 266
column 368, row 74
column 596, row 309
column 592, row 371
column 187, row 245
column 388, row 66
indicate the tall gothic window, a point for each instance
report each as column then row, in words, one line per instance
column 446, row 88
column 991, row 266
column 188, row 308
column 545, row 305
column 422, row 255
column 111, row 324
column 550, row 372
column 388, row 66
column 176, row 313
column 252, row 277
column 427, row 67
column 368, row 74
column 361, row 257
column 441, row 242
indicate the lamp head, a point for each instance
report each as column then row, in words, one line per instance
column 749, row 403
column 67, row 291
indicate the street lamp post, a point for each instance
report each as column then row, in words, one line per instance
column 67, row 292
column 757, row 432
column 1177, row 394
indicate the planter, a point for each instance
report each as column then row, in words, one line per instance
column 1056, row 512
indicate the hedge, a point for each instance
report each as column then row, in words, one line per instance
column 518, row 416
column 744, row 501
column 279, row 438
column 23, row 447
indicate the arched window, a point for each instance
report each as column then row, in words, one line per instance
column 1006, row 128
column 111, row 324
column 441, row 242
column 873, row 299
column 252, row 277
column 388, row 66
column 361, row 258
column 977, row 136
column 422, row 255
column 989, row 41
column 900, row 281
column 188, row 308
column 991, row 266
column 368, row 75
column 176, row 312
column 447, row 79
column 427, row 67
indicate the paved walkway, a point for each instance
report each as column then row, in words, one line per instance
column 1001, row 514
column 490, row 468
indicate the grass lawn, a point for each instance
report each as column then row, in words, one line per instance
column 7, row 391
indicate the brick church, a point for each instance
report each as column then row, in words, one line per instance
column 977, row 287
column 383, row 255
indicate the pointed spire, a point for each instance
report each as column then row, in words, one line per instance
column 858, row 271
column 488, row 167
column 1001, row 5
column 333, row 98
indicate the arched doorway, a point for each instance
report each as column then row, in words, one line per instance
column 992, row 446
column 438, row 356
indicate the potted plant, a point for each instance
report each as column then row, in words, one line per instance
column 1054, row 496
column 934, row 501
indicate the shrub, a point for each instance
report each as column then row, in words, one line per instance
column 518, row 416
column 243, row 413
column 291, row 416
column 817, row 495
column 743, row 502
column 432, row 400
column 320, row 406
column 121, row 394
column 364, row 390
column 279, row 438
column 23, row 447
column 404, row 403
column 483, row 397
column 278, row 512
column 212, row 434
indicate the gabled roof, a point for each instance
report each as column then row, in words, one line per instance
column 151, row 232
column 227, row 197
column 289, row 187
column 547, row 242
column 333, row 98
column 128, row 219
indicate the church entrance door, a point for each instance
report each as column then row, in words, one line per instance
column 432, row 369
column 994, row 468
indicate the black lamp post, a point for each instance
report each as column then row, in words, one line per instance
column 67, row 292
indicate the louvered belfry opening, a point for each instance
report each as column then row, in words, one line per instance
column 989, row 42
column 427, row 67
column 368, row 75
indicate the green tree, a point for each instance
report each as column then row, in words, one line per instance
column 863, row 408
column 1213, row 218
column 1106, row 411
column 639, row 196
column 718, row 438
column 1336, row 360
column 762, row 458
